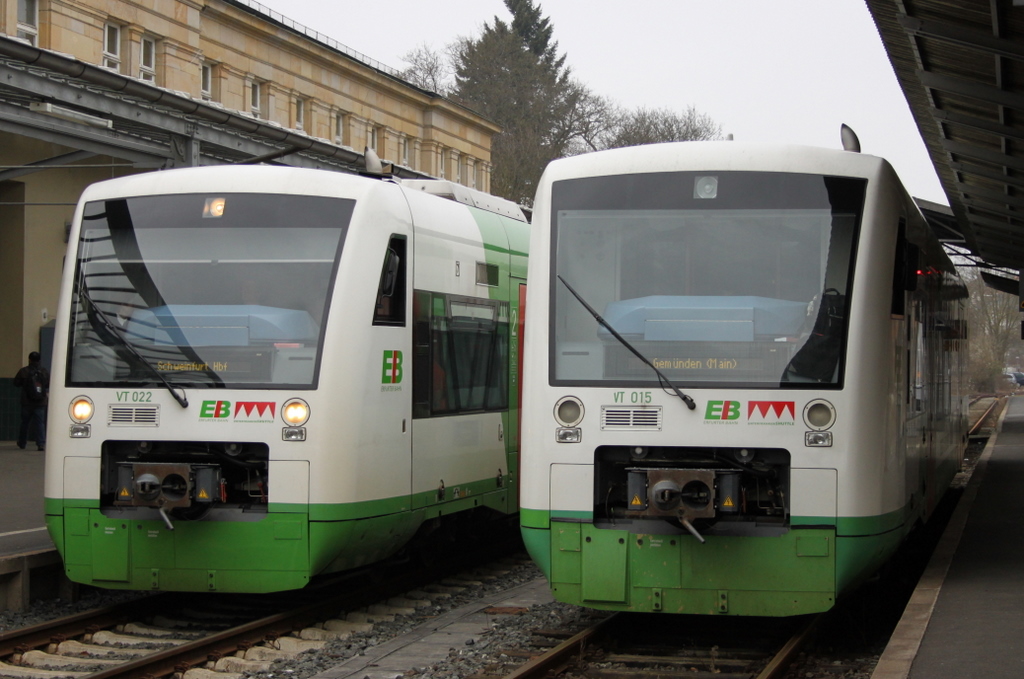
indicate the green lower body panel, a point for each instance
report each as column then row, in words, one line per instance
column 278, row 550
column 267, row 555
column 791, row 574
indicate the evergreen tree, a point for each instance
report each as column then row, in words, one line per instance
column 513, row 75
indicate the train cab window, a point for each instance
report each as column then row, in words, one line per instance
column 390, row 306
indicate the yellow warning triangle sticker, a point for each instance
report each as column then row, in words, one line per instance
column 124, row 492
column 728, row 502
column 636, row 501
column 203, row 495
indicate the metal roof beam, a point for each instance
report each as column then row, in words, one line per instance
column 990, row 197
column 975, row 123
column 987, row 173
column 17, row 120
column 995, row 209
column 972, row 89
column 1016, row 229
column 966, row 37
column 30, row 168
column 132, row 113
column 995, row 157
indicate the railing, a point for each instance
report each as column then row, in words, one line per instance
column 317, row 36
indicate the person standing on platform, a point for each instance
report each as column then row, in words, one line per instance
column 34, row 381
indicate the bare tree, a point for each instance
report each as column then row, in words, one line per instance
column 994, row 321
column 652, row 126
column 428, row 69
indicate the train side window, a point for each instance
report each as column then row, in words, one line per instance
column 390, row 306
column 460, row 355
column 904, row 273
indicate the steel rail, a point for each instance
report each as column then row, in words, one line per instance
column 557, row 659
column 37, row 635
column 780, row 662
column 560, row 656
column 981, row 420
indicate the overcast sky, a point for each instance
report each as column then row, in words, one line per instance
column 786, row 71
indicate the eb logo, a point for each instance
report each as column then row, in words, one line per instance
column 722, row 410
column 215, row 409
column 392, row 373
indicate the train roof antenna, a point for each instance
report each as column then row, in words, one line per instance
column 372, row 162
column 849, row 137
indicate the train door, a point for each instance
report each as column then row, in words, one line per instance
column 391, row 418
column 514, row 439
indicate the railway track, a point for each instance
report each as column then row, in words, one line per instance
column 195, row 637
column 637, row 646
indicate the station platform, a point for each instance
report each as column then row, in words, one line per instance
column 965, row 619
column 22, row 528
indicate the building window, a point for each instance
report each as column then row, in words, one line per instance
column 28, row 20
column 442, row 162
column 112, row 47
column 206, row 82
column 255, row 97
column 405, row 151
column 147, row 60
column 300, row 114
column 372, row 138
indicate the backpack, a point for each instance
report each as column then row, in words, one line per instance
column 34, row 386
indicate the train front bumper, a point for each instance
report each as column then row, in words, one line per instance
column 265, row 555
column 790, row 574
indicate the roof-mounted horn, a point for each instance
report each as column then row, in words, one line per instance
column 849, row 137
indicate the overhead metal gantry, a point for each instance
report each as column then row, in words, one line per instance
column 961, row 66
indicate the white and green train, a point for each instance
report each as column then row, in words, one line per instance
column 263, row 374
column 743, row 377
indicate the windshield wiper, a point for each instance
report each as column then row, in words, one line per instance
column 661, row 376
column 113, row 331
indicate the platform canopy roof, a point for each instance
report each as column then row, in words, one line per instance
column 961, row 66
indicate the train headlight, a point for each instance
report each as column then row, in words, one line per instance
column 295, row 412
column 81, row 409
column 568, row 435
column 818, row 439
column 819, row 415
column 569, row 411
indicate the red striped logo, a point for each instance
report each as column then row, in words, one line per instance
column 255, row 411
column 771, row 410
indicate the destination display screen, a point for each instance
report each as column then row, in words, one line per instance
column 732, row 278
column 204, row 289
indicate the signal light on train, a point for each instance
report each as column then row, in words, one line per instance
column 705, row 187
column 569, row 411
column 214, row 208
column 818, row 439
column 819, row 414
column 295, row 412
column 81, row 409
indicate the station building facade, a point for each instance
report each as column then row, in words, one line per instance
column 95, row 89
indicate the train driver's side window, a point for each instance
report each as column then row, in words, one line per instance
column 390, row 306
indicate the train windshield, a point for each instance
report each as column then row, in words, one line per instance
column 222, row 290
column 718, row 278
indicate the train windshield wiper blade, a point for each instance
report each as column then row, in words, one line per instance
column 661, row 376
column 116, row 334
